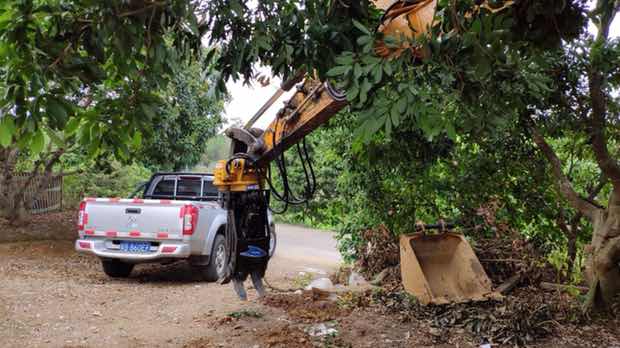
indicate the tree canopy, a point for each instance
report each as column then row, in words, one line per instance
column 86, row 70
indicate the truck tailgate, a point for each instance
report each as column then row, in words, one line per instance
column 148, row 219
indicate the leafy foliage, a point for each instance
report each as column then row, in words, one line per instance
column 284, row 35
column 190, row 115
column 116, row 180
column 216, row 148
column 87, row 69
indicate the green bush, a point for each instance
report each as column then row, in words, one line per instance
column 116, row 181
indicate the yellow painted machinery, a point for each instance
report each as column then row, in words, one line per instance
column 436, row 269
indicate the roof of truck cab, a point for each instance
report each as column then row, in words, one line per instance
column 182, row 173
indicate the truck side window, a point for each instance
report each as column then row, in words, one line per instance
column 188, row 186
column 164, row 188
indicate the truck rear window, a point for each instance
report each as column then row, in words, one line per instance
column 164, row 188
column 188, row 187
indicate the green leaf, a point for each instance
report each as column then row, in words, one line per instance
column 395, row 118
column 137, row 140
column 395, row 114
column 401, row 105
column 476, row 26
column 344, row 59
column 148, row 110
column 362, row 40
column 352, row 93
column 7, row 129
column 338, row 70
column 54, row 137
column 450, row 131
column 364, row 88
column 37, row 143
column 94, row 148
column 56, row 110
column 72, row 126
column 377, row 73
column 387, row 67
column 361, row 27
column 357, row 71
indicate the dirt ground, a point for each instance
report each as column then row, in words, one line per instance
column 51, row 296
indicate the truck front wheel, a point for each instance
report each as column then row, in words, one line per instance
column 116, row 268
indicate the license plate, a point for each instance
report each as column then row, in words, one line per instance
column 136, row 247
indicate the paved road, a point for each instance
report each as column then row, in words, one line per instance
column 51, row 296
column 311, row 248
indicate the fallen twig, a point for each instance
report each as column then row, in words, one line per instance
column 554, row 287
column 509, row 284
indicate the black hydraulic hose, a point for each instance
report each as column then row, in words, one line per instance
column 288, row 196
column 312, row 174
column 303, row 160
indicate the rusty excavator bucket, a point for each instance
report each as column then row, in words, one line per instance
column 442, row 268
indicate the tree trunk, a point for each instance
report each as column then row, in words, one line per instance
column 603, row 255
column 571, row 250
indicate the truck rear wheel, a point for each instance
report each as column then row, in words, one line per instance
column 116, row 268
column 217, row 265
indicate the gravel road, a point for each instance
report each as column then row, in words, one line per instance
column 51, row 296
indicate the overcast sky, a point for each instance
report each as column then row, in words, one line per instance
column 246, row 100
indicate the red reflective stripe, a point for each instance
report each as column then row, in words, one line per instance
column 138, row 200
column 115, row 200
column 162, row 235
column 165, row 201
column 85, row 219
column 89, row 232
column 111, row 233
column 134, row 233
column 84, row 245
column 168, row 249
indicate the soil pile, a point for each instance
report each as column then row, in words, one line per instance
column 312, row 306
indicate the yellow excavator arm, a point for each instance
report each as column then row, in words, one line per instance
column 314, row 102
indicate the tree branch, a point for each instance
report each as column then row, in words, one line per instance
column 564, row 185
column 140, row 10
column 63, row 53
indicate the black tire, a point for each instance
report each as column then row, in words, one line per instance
column 116, row 268
column 217, row 263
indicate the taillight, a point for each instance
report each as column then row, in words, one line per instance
column 82, row 216
column 190, row 219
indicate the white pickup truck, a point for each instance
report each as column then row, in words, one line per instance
column 177, row 217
